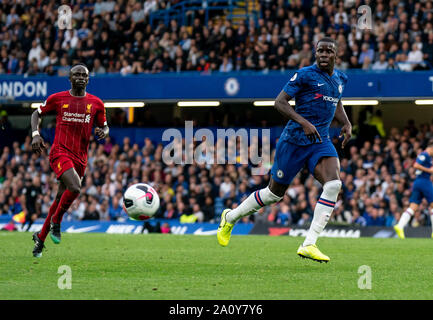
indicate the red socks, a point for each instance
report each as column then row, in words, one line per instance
column 46, row 227
column 66, row 200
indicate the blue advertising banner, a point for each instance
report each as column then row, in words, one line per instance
column 131, row 226
column 242, row 85
column 210, row 229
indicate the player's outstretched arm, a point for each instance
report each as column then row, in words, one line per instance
column 37, row 141
column 283, row 106
column 341, row 116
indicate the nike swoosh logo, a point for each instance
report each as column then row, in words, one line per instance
column 71, row 229
column 320, row 84
column 200, row 231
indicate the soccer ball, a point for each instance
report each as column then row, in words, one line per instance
column 140, row 201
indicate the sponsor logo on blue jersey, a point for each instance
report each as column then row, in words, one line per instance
column 316, row 94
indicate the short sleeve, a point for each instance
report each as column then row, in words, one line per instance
column 101, row 119
column 48, row 105
column 294, row 85
column 344, row 78
column 420, row 159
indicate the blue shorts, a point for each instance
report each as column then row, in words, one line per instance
column 291, row 158
column 422, row 188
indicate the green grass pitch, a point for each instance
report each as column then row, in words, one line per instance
column 184, row 267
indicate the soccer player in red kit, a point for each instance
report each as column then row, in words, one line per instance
column 76, row 112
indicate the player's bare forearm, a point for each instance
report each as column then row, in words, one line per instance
column 417, row 166
column 346, row 130
column 283, row 107
column 340, row 114
column 37, row 141
column 35, row 121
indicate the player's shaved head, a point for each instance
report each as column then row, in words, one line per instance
column 327, row 40
column 79, row 78
column 75, row 66
column 80, row 64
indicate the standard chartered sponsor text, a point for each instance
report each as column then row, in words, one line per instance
column 74, row 117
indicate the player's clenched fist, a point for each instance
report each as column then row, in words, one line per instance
column 100, row 133
column 311, row 132
column 346, row 131
column 38, row 144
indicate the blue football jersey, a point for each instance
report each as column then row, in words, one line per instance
column 423, row 159
column 316, row 95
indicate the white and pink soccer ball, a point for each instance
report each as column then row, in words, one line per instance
column 140, row 201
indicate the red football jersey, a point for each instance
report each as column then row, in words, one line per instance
column 74, row 122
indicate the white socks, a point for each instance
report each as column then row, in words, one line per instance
column 323, row 210
column 264, row 197
column 253, row 203
column 405, row 217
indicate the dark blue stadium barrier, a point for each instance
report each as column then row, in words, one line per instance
column 132, row 227
column 243, row 85
column 9, row 135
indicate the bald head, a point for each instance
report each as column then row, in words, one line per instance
column 79, row 77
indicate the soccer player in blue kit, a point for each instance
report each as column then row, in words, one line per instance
column 422, row 188
column 317, row 90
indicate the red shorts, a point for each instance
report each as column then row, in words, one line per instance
column 63, row 163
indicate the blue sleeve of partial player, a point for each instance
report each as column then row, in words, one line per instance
column 294, row 85
column 421, row 159
column 344, row 77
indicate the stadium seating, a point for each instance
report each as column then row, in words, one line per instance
column 214, row 35
column 139, row 37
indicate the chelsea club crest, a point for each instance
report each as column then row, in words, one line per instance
column 280, row 174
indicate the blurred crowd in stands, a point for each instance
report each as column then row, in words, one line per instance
column 118, row 37
column 377, row 175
